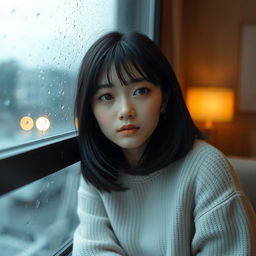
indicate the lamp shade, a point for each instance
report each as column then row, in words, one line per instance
column 214, row 104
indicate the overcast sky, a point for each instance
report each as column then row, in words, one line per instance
column 52, row 32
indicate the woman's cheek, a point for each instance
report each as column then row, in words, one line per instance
column 101, row 116
column 153, row 108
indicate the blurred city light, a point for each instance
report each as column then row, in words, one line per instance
column 42, row 124
column 26, row 123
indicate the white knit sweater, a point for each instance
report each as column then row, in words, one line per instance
column 192, row 207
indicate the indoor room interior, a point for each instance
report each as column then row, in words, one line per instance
column 209, row 46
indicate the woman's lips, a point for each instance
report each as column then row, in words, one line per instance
column 127, row 130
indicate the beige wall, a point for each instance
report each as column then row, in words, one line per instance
column 210, row 49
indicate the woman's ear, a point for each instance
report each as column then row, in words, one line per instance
column 162, row 109
column 164, row 103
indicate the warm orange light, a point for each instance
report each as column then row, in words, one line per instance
column 210, row 104
column 26, row 123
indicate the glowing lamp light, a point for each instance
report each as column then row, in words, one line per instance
column 26, row 123
column 210, row 104
column 42, row 124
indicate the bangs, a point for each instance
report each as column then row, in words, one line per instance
column 127, row 65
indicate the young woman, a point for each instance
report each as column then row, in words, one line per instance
column 151, row 185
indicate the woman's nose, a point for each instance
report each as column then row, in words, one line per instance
column 126, row 110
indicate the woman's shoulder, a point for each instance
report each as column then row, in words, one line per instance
column 205, row 154
column 214, row 176
column 209, row 168
column 215, row 184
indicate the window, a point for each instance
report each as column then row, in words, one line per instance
column 42, row 44
column 39, row 218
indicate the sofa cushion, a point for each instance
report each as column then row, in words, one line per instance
column 246, row 170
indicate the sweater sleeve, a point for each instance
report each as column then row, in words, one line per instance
column 225, row 223
column 94, row 235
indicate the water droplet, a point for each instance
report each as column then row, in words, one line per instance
column 38, row 14
column 7, row 102
column 49, row 92
column 61, row 92
column 64, row 37
column 62, row 106
column 41, row 71
column 38, row 203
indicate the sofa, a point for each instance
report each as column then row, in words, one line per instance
column 246, row 170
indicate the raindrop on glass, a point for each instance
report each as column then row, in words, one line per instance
column 7, row 102
column 38, row 203
column 61, row 92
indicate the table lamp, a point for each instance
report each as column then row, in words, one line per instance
column 210, row 104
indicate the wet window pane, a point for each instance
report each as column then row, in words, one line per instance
column 37, row 219
column 41, row 46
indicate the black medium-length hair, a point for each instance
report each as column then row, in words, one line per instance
column 175, row 133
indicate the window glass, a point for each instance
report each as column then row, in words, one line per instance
column 39, row 218
column 42, row 45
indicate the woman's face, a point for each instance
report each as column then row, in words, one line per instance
column 127, row 115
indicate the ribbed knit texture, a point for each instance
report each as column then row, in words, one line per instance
column 192, row 207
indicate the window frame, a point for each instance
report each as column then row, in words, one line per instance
column 32, row 161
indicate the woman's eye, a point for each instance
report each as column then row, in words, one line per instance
column 141, row 91
column 106, row 97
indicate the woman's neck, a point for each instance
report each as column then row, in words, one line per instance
column 133, row 157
